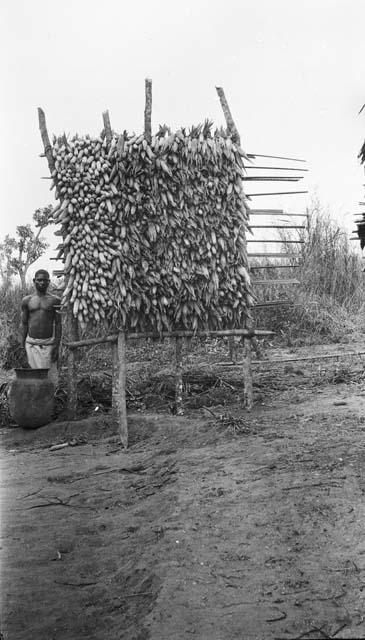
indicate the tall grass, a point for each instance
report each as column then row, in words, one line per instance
column 10, row 320
column 329, row 300
column 331, row 266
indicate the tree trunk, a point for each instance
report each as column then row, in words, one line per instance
column 23, row 283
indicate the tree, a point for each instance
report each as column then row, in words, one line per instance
column 18, row 254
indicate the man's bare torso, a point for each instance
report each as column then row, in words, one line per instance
column 40, row 312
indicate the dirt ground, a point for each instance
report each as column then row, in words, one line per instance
column 199, row 530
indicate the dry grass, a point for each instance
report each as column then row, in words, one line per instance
column 329, row 302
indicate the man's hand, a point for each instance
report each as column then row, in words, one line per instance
column 55, row 353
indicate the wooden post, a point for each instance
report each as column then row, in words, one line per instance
column 247, row 368
column 178, row 377
column 148, row 110
column 119, row 402
column 107, row 126
column 45, row 139
column 73, row 331
column 72, row 324
column 247, row 374
column 233, row 348
column 228, row 116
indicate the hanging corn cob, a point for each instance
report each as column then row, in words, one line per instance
column 154, row 232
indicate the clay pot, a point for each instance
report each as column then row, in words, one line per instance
column 31, row 398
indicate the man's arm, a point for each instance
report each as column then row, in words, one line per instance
column 25, row 319
column 57, row 329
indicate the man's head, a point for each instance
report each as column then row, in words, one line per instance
column 41, row 280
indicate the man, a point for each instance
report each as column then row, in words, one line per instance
column 41, row 326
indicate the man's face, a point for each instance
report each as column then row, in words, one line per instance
column 41, row 282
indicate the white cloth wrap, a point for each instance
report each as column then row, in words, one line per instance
column 39, row 352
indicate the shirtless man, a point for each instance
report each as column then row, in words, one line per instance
column 41, row 326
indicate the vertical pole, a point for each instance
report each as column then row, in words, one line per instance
column 73, row 333
column 107, row 126
column 247, row 357
column 45, row 139
column 119, row 401
column 178, row 376
column 115, row 372
column 247, row 374
column 148, row 110
column 72, row 324
column 232, row 348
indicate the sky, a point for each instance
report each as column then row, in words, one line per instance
column 293, row 73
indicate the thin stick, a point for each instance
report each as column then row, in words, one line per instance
column 107, row 126
column 326, row 356
column 148, row 110
column 178, row 377
column 45, row 139
column 273, row 255
column 276, row 212
column 272, row 265
column 260, row 155
column 276, row 193
column 277, row 226
column 119, row 402
column 277, row 168
column 272, row 178
column 272, row 282
column 273, row 303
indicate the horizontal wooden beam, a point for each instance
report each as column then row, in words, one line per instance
column 266, row 212
column 277, row 226
column 272, row 178
column 254, row 267
column 273, row 303
column 254, row 167
column 272, row 255
column 172, row 334
column 274, row 282
column 266, row 361
column 324, row 356
column 275, row 193
column 262, row 155
column 274, row 212
column 279, row 241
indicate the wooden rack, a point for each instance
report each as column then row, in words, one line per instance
column 119, row 340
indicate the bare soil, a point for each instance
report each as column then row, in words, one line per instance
column 244, row 526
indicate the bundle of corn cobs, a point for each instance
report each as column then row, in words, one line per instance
column 153, row 233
